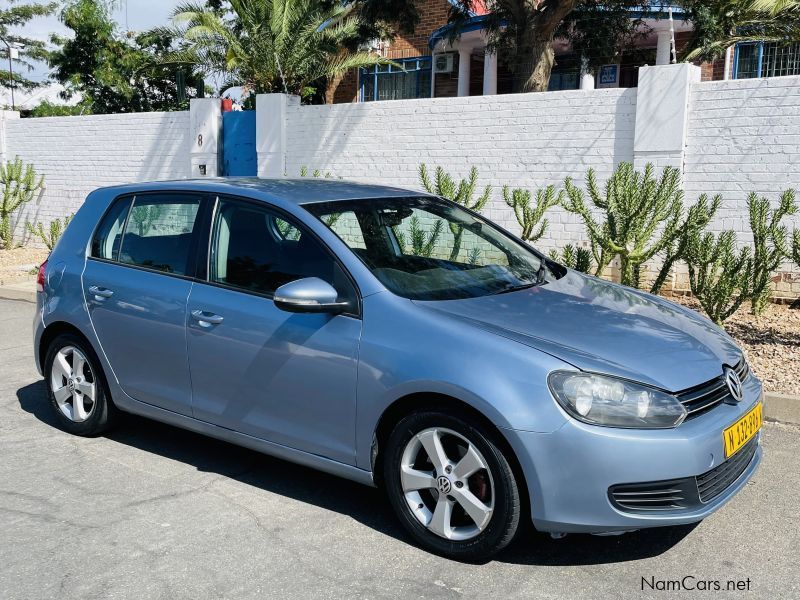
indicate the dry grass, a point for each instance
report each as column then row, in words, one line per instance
column 16, row 263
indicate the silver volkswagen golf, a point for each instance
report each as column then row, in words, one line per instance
column 398, row 340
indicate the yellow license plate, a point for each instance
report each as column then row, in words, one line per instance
column 741, row 432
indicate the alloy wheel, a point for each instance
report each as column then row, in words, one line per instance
column 447, row 484
column 73, row 384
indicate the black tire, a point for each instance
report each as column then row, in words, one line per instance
column 103, row 414
column 504, row 522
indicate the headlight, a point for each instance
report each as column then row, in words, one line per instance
column 612, row 402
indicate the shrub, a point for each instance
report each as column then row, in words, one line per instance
column 579, row 259
column 796, row 247
column 531, row 218
column 50, row 236
column 719, row 278
column 462, row 193
column 643, row 216
column 770, row 244
column 20, row 183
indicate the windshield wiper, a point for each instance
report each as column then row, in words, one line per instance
column 541, row 278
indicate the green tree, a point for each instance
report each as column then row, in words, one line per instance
column 291, row 46
column 719, row 24
column 20, row 183
column 49, row 109
column 117, row 73
column 719, row 278
column 770, row 244
column 30, row 50
column 462, row 193
column 523, row 32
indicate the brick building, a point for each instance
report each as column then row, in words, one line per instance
column 435, row 67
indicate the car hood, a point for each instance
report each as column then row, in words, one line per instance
column 602, row 327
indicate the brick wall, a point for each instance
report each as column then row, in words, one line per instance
column 78, row 154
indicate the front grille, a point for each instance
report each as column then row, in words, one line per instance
column 704, row 397
column 654, row 495
column 712, row 483
column 685, row 493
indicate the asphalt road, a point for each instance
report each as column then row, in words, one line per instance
column 151, row 511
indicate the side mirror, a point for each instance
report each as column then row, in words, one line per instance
column 309, row 295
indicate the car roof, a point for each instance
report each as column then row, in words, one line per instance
column 298, row 190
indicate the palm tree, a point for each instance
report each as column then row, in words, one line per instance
column 289, row 46
column 720, row 24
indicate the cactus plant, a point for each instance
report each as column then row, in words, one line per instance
column 770, row 244
column 644, row 216
column 719, row 278
column 20, row 184
column 50, row 236
column 531, row 218
column 579, row 259
column 462, row 193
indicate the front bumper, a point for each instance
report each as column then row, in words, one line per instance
column 569, row 471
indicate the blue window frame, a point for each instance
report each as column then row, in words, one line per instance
column 384, row 82
column 765, row 59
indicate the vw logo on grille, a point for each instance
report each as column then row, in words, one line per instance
column 734, row 384
column 443, row 483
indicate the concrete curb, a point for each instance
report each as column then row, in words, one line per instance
column 25, row 290
column 782, row 407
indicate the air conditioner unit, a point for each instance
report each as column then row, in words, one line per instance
column 443, row 63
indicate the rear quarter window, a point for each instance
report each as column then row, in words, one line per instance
column 108, row 236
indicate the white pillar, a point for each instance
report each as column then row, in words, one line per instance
column 662, row 114
column 205, row 121
column 664, row 47
column 271, row 112
column 489, row 74
column 433, row 74
column 464, row 56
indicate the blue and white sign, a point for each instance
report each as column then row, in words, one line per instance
column 608, row 76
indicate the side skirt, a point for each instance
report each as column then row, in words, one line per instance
column 240, row 439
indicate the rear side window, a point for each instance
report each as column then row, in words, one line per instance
column 158, row 232
column 108, row 236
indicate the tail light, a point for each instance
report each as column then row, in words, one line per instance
column 40, row 277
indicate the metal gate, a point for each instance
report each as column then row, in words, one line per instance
column 239, row 143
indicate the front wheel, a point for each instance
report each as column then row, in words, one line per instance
column 451, row 486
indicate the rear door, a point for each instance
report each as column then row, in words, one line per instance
column 136, row 284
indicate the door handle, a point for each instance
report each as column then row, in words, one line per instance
column 205, row 319
column 100, row 293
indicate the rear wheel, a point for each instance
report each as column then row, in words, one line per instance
column 76, row 387
column 451, row 486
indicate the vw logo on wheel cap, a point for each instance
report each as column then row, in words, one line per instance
column 443, row 483
column 734, row 384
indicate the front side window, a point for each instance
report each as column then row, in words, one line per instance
column 429, row 249
column 255, row 250
column 158, row 232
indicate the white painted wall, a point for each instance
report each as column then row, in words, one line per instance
column 79, row 154
column 528, row 140
column 738, row 136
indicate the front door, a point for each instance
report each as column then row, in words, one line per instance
column 136, row 284
column 289, row 378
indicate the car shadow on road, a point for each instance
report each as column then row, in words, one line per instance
column 366, row 505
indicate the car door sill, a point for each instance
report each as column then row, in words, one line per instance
column 307, row 459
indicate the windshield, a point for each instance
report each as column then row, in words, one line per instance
column 430, row 249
